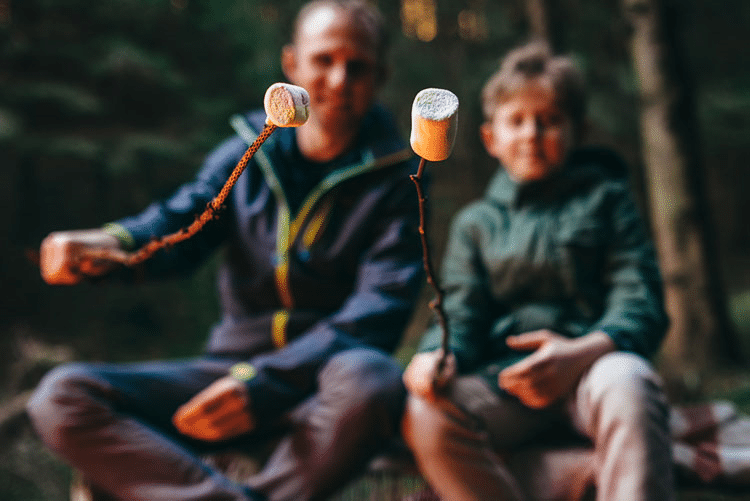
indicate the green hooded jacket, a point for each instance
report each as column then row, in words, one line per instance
column 569, row 253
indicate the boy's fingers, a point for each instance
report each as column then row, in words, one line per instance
column 518, row 368
column 528, row 340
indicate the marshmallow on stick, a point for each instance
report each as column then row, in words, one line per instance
column 434, row 119
column 286, row 105
column 66, row 256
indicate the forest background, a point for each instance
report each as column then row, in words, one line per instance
column 105, row 106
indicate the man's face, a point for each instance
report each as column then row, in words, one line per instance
column 335, row 59
column 529, row 134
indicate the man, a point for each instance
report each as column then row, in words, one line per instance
column 322, row 269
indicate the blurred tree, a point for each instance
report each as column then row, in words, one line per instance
column 545, row 22
column 103, row 108
column 700, row 336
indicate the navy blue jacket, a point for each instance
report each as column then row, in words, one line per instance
column 318, row 258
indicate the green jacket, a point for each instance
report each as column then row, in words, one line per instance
column 569, row 253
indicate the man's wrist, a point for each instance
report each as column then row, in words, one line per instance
column 123, row 236
column 242, row 371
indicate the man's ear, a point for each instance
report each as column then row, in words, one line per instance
column 289, row 61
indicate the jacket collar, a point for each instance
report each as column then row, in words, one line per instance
column 583, row 168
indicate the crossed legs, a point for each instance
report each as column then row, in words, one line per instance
column 112, row 422
column 618, row 405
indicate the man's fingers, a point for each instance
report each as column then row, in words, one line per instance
column 224, row 397
column 55, row 261
column 195, row 408
column 223, row 421
column 215, row 429
column 206, row 405
column 236, row 423
column 66, row 257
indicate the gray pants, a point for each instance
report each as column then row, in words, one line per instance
column 462, row 442
column 112, row 422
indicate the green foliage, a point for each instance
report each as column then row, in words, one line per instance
column 104, row 107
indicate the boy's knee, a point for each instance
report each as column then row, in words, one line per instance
column 625, row 386
column 423, row 427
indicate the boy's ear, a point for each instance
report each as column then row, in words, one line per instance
column 487, row 136
column 289, row 61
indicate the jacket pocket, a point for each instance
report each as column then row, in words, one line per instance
column 582, row 249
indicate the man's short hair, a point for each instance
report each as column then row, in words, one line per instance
column 365, row 12
column 532, row 61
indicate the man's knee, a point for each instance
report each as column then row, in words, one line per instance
column 61, row 403
column 364, row 387
column 364, row 374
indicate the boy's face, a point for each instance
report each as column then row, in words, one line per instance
column 335, row 59
column 529, row 134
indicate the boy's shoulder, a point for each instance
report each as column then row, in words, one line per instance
column 476, row 213
column 606, row 161
column 590, row 172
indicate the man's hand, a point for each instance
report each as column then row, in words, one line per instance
column 219, row 412
column 554, row 368
column 423, row 375
column 65, row 256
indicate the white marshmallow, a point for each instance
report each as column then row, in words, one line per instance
column 286, row 105
column 434, row 123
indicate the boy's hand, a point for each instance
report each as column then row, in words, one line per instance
column 554, row 368
column 421, row 375
column 64, row 260
column 219, row 412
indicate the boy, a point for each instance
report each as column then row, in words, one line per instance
column 554, row 303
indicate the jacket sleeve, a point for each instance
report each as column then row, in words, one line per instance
column 375, row 314
column 634, row 315
column 467, row 297
column 180, row 210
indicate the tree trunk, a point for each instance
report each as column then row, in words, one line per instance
column 700, row 335
column 545, row 22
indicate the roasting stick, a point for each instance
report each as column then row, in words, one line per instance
column 285, row 105
column 434, row 118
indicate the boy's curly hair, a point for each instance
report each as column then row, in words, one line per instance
column 534, row 61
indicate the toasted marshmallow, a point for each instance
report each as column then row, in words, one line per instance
column 434, row 122
column 286, row 105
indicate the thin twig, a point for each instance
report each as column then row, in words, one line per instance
column 211, row 212
column 436, row 304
